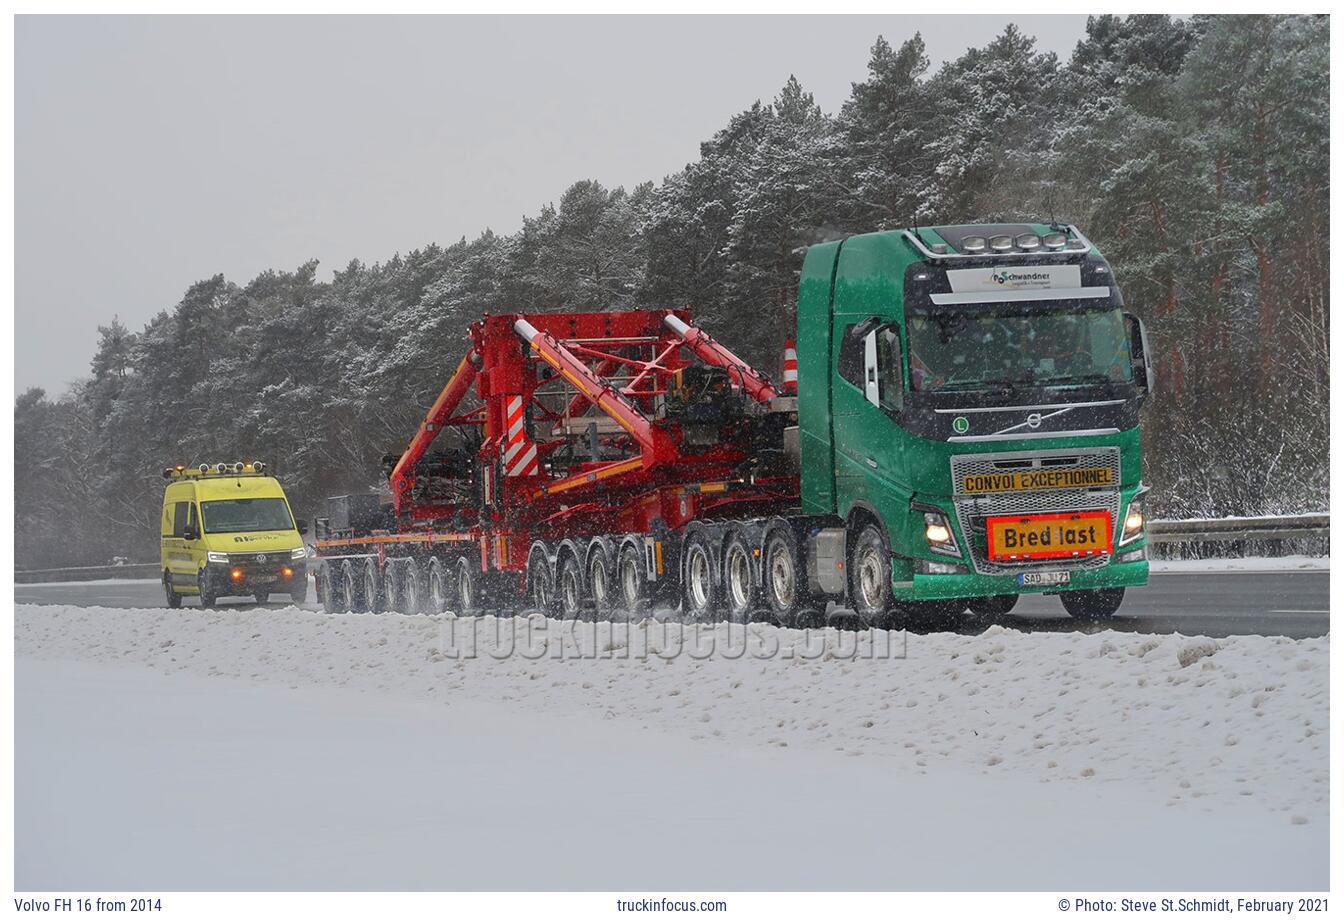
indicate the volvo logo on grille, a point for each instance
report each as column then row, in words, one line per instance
column 261, row 557
column 1034, row 420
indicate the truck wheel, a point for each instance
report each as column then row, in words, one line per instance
column 740, row 590
column 870, row 575
column 333, row 589
column 569, row 588
column 780, row 573
column 440, row 586
column 298, row 590
column 468, row 589
column 994, row 606
column 599, row 583
column 205, row 585
column 261, row 596
column 411, row 587
column 634, row 586
column 540, row 584
column 352, row 586
column 697, row 578
column 374, row 597
column 174, row 599
column 1094, row 605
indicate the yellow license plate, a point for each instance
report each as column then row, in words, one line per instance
column 1022, row 480
column 1048, row 536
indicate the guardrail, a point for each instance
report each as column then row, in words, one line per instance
column 1248, row 529
column 87, row 573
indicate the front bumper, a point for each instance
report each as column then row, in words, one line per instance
column 257, row 577
column 937, row 587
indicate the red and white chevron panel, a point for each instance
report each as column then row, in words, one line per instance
column 520, row 454
column 790, row 367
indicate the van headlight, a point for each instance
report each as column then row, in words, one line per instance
column 300, row 553
column 217, row 557
column 1134, row 521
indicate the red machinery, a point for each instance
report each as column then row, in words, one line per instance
column 592, row 430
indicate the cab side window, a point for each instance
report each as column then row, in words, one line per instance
column 890, row 376
column 850, row 363
column 184, row 515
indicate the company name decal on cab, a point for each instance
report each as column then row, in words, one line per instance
column 1035, row 277
column 1022, row 480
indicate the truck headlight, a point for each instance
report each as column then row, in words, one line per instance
column 217, row 557
column 938, row 531
column 300, row 553
column 1134, row 520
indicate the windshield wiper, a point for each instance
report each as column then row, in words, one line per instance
column 992, row 385
column 1076, row 380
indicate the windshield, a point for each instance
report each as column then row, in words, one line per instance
column 1042, row 344
column 238, row 515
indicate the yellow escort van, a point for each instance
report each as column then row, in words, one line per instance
column 227, row 530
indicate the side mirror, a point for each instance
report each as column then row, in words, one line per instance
column 301, row 526
column 1140, row 355
column 189, row 533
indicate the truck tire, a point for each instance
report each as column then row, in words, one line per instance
column 468, row 588
column 411, row 587
column 569, row 588
column 1098, row 604
column 994, row 606
column 174, row 599
column 741, row 593
column 352, row 586
column 782, row 578
column 633, row 582
column 375, row 595
column 699, row 593
column 600, row 588
column 205, row 585
column 541, row 584
column 440, row 586
column 870, row 575
column 333, row 589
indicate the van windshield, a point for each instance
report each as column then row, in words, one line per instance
column 239, row 515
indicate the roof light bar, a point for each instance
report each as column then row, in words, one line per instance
column 1066, row 241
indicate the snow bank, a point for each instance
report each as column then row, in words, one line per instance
column 1195, row 723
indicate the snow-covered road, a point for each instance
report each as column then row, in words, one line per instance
column 287, row 749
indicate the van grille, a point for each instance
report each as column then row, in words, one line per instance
column 973, row 509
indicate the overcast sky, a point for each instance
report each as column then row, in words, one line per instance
column 152, row 152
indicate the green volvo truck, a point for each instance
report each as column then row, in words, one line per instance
column 968, row 419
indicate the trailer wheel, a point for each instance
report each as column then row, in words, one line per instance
column 375, row 598
column 569, row 588
column 333, row 593
column 599, row 583
column 440, row 586
column 780, row 572
column 1098, row 604
column 540, row 584
column 352, row 583
column 634, row 591
column 412, row 587
column 870, row 575
column 697, row 578
column 468, row 593
column 740, row 591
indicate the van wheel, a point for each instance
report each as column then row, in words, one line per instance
column 205, row 585
column 174, row 599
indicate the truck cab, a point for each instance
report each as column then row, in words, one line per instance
column 227, row 530
column 978, row 431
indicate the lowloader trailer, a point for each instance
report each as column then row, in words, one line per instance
column 965, row 431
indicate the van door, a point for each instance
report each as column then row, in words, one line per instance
column 182, row 557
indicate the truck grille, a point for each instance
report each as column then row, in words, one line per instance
column 973, row 509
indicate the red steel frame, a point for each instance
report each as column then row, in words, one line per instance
column 563, row 366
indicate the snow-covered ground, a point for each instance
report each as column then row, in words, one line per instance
column 287, row 749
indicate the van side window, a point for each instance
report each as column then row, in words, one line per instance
column 180, row 511
column 191, row 517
